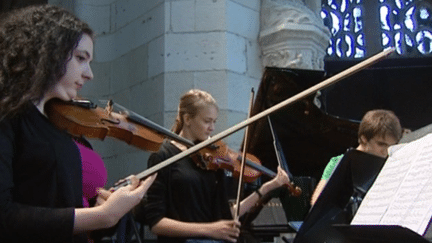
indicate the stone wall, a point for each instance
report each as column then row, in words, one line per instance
column 149, row 52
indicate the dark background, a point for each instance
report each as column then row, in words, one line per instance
column 6, row 5
column 403, row 85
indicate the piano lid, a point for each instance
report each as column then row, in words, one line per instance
column 308, row 136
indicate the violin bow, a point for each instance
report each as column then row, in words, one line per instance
column 330, row 81
column 278, row 150
column 240, row 186
column 295, row 190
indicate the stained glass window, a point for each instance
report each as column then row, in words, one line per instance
column 360, row 28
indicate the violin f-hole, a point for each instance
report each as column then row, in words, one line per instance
column 201, row 161
column 114, row 121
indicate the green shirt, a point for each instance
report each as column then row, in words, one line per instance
column 328, row 171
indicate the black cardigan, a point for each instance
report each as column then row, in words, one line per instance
column 41, row 181
column 185, row 192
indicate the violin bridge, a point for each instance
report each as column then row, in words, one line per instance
column 109, row 106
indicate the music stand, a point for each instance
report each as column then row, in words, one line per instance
column 337, row 203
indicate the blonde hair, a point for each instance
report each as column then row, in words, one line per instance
column 189, row 104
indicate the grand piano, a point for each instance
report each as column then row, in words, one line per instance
column 308, row 136
column 321, row 126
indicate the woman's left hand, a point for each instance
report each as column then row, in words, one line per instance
column 281, row 179
column 102, row 196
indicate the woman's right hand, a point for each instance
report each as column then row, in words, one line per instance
column 228, row 230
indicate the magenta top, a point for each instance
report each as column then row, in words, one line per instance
column 94, row 173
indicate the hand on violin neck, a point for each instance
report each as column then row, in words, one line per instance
column 281, row 179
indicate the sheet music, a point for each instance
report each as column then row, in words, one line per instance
column 402, row 192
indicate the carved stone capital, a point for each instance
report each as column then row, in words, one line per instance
column 292, row 35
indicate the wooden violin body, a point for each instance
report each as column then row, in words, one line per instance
column 83, row 118
column 220, row 156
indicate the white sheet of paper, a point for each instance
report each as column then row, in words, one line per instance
column 402, row 192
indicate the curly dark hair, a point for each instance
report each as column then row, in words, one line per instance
column 36, row 42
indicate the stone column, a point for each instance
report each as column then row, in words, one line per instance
column 292, row 34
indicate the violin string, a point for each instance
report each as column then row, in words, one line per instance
column 150, row 124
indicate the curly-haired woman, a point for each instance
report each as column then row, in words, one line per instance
column 45, row 53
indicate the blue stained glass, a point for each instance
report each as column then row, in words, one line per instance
column 424, row 13
column 349, row 41
column 357, row 19
column 384, row 18
column 323, row 14
column 332, row 4
column 338, row 50
column 398, row 38
column 336, row 24
column 385, row 39
column 344, row 6
column 343, row 22
column 408, row 40
column 404, row 24
column 347, row 22
column 359, row 53
column 360, row 40
column 409, row 23
column 399, row 4
column 424, row 40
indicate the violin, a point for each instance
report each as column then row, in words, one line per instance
column 56, row 115
column 219, row 156
column 84, row 118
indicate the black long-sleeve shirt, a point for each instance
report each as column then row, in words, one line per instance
column 40, row 181
column 185, row 192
